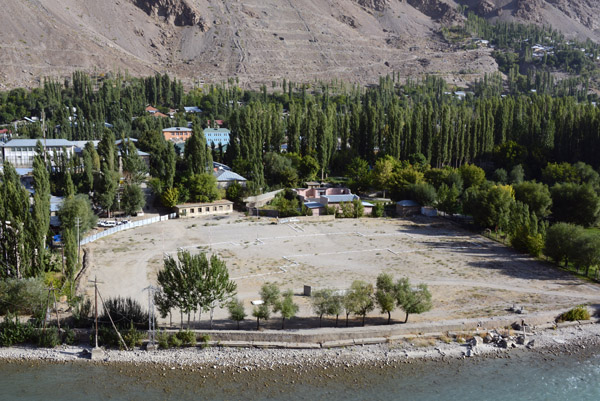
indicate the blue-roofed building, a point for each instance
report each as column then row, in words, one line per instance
column 218, row 136
column 318, row 198
column 192, row 109
column 227, row 177
column 21, row 152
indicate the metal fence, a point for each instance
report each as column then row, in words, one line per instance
column 133, row 224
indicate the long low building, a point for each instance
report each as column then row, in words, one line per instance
column 203, row 209
column 21, row 152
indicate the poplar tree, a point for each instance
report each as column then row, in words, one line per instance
column 40, row 218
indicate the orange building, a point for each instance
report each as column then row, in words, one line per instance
column 177, row 134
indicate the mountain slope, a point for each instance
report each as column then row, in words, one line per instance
column 255, row 40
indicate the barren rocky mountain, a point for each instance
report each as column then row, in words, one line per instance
column 259, row 40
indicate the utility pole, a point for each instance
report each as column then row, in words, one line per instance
column 95, row 281
column 151, row 317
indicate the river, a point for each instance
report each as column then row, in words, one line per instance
column 523, row 376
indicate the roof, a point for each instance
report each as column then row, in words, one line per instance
column 159, row 114
column 313, row 205
column 81, row 144
column 215, row 203
column 192, row 109
column 217, row 130
column 118, row 141
column 340, row 198
column 408, row 203
column 177, row 129
column 32, row 142
column 151, row 109
column 55, row 203
column 227, row 175
column 367, row 204
column 221, row 166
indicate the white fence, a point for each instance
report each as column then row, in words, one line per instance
column 133, row 224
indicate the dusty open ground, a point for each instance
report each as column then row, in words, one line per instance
column 468, row 275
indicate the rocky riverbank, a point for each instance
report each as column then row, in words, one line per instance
column 564, row 339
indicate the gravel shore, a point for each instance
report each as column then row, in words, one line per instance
column 565, row 339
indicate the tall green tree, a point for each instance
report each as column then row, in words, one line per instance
column 40, row 215
column 361, row 298
column 133, row 199
column 412, row 300
column 386, row 294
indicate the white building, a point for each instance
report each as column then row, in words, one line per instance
column 21, row 152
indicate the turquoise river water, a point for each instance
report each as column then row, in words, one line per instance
column 523, row 376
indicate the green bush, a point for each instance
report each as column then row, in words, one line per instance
column 133, row 337
column 68, row 336
column 187, row 338
column 12, row 331
column 124, row 311
column 163, row 339
column 25, row 296
column 48, row 338
column 82, row 312
column 107, row 337
column 204, row 339
column 577, row 313
column 378, row 209
column 174, row 341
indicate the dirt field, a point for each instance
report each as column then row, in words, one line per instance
column 468, row 275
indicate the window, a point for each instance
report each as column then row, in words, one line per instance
column 191, row 210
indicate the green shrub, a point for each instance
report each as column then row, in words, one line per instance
column 204, row 339
column 133, row 337
column 378, row 209
column 124, row 311
column 187, row 337
column 68, row 336
column 48, row 338
column 82, row 312
column 163, row 339
column 25, row 296
column 577, row 313
column 107, row 337
column 174, row 341
column 12, row 331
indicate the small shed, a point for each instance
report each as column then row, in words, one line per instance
column 407, row 207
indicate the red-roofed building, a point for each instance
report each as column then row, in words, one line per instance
column 151, row 109
column 218, row 123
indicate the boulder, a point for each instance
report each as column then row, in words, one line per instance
column 476, row 341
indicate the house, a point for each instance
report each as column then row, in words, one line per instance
column 407, row 207
column 177, row 134
column 21, row 152
column 218, row 136
column 158, row 114
column 145, row 157
column 216, row 123
column 227, row 177
column 192, row 109
column 317, row 199
column 151, row 110
column 203, row 209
